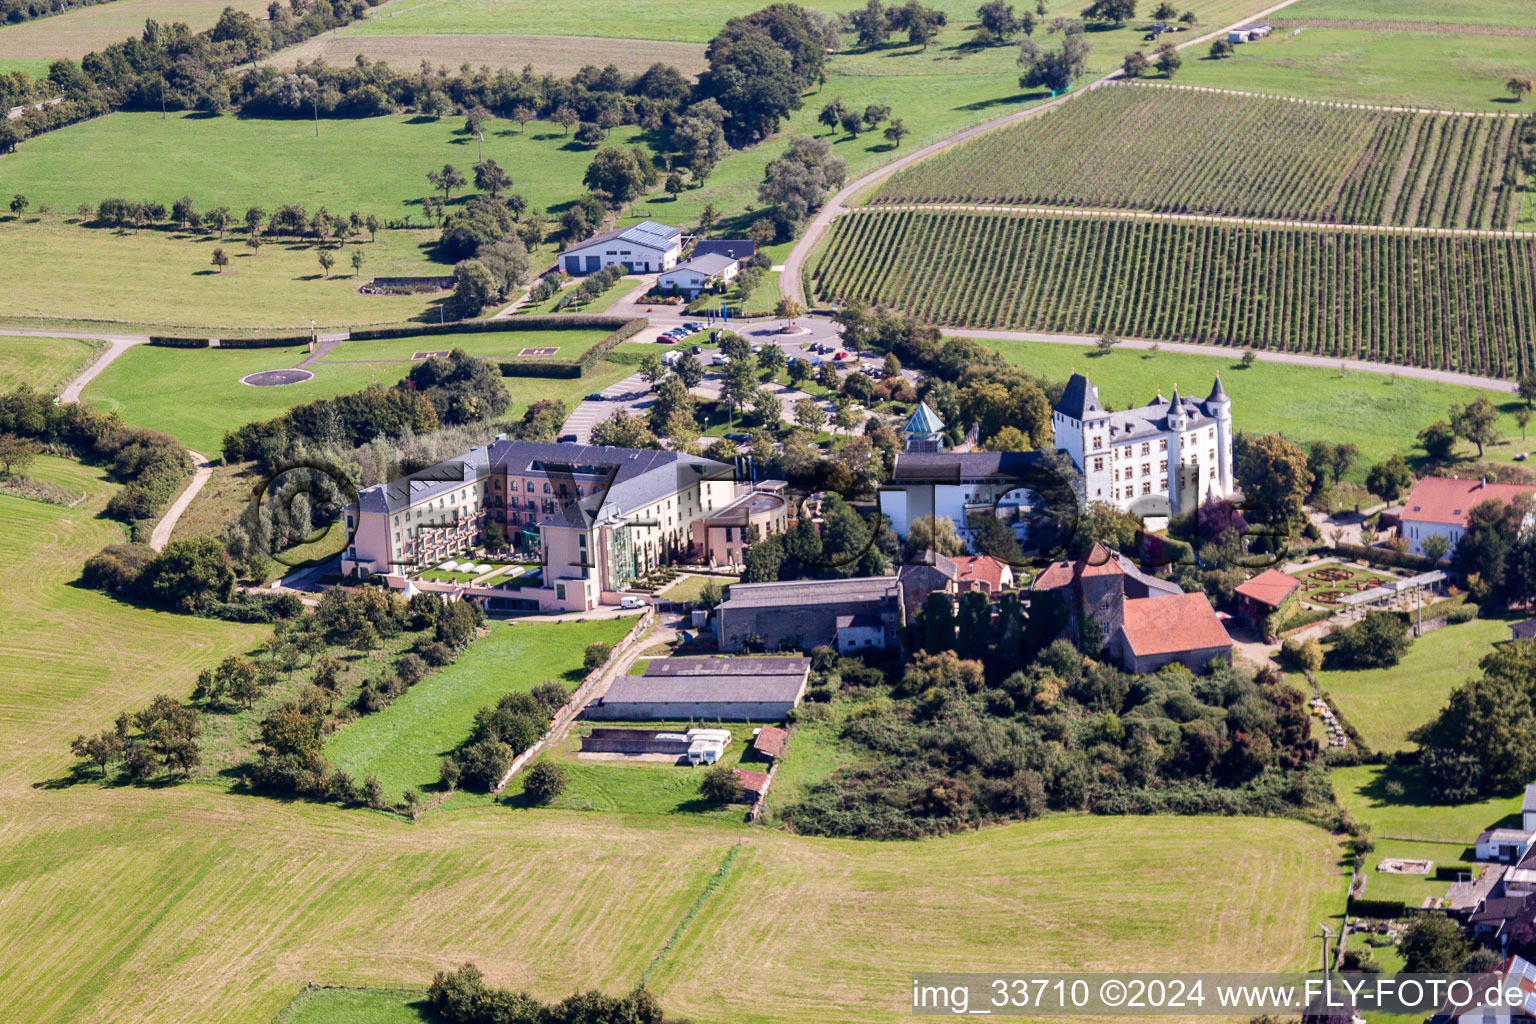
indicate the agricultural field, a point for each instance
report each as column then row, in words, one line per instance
column 196, row 394
column 1432, row 70
column 404, row 744
column 500, row 345
column 1453, row 303
column 78, row 32
column 1385, row 704
column 1493, row 13
column 1170, row 150
column 1305, row 403
column 556, row 55
column 44, row 364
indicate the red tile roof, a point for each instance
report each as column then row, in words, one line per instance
column 752, row 782
column 1098, row 562
column 1171, row 625
column 980, row 568
column 1270, row 587
column 770, row 740
column 1443, row 499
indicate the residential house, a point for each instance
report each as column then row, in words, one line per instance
column 601, row 517
column 860, row 631
column 1486, row 998
column 699, row 274
column 1183, row 628
column 1161, row 458
column 642, row 248
column 760, row 689
column 959, row 486
column 931, row 571
column 1100, row 583
column 1259, row 598
column 806, row 613
column 739, row 249
column 1505, row 845
column 1442, row 505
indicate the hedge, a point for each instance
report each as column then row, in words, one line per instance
column 588, row 359
column 1381, row 909
column 279, row 341
column 155, row 339
column 531, row 323
column 1386, row 556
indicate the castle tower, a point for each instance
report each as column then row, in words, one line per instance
column 1219, row 405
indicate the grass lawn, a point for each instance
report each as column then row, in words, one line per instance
column 1435, row 70
column 642, row 787
column 814, row 752
column 1305, row 403
column 1413, row 890
column 35, row 68
column 1450, row 12
column 404, row 744
column 622, row 287
column 161, row 279
column 374, row 165
column 45, row 364
column 503, row 345
column 690, row 587
column 357, row 1006
column 1390, row 800
column 196, row 394
column 1385, row 704
column 557, row 55
column 76, row 33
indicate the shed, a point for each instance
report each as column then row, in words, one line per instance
column 709, row 688
column 770, row 740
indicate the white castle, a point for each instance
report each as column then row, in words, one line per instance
column 1175, row 449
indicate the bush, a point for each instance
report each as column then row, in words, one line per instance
column 1378, row 640
column 720, row 786
column 483, row 764
column 596, row 655
column 437, row 654
column 545, row 781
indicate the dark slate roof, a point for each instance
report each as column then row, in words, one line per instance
column 649, row 689
column 648, row 233
column 735, row 248
column 1218, row 393
column 954, row 467
column 860, row 620
column 799, row 593
column 639, row 476
column 728, row 666
column 709, row 264
column 1079, row 399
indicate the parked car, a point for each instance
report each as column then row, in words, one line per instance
column 739, row 438
column 628, row 601
column 719, row 360
column 596, row 396
column 840, row 355
column 697, row 350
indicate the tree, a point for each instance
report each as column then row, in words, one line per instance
column 491, row 177
column 1432, row 944
column 358, row 259
column 1221, row 49
column 809, row 415
column 674, row 185
column 448, row 179
column 1519, row 86
column 615, row 173
column 1165, row 12
column 1477, row 421
column 1274, row 476
column 938, row 623
column 1116, row 12
column 875, row 114
column 327, row 261
column 932, row 533
column 1168, row 60
column 19, row 204
column 896, row 131
column 101, row 750
column 1522, row 418
column 871, row 25
column 220, row 259
column 852, row 123
column 720, row 786
column 1106, row 342
column 218, row 219
column 624, row 430
column 566, row 117
column 974, row 624
column 1136, row 64
column 998, row 19
column 1438, row 441
column 1379, row 640
column 1390, row 479
column 545, row 781
column 590, row 133
column 254, row 241
column 832, row 113
column 372, row 223
column 17, row 453
column 1436, row 546
column 522, row 114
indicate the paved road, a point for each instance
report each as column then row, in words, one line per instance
column 789, row 280
column 161, row 536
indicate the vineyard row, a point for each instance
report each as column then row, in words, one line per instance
column 1461, row 303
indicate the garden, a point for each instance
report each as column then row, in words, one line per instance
column 1328, row 585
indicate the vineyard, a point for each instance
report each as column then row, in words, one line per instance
column 1174, row 150
column 1465, row 303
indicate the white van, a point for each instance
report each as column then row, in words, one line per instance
column 628, row 601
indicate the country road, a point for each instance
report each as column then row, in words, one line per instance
column 790, row 280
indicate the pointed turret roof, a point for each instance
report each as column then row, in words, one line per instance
column 1218, row 393
column 1079, row 398
column 924, row 421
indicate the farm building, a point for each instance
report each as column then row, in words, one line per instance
column 1265, row 594
column 770, row 740
column 1102, row 582
column 634, row 741
column 699, row 274
column 1154, row 632
column 805, row 613
column 738, row 249
column 753, row 784
column 686, row 689
column 646, row 247
column 1442, row 505
column 1248, row 33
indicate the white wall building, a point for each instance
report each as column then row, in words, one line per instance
column 957, row 486
column 644, row 248
column 1441, row 506
column 1177, row 450
column 698, row 274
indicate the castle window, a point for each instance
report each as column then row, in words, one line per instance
column 1098, row 443
column 1162, row 445
column 1146, row 448
column 1146, row 488
column 1098, row 465
column 1162, row 467
column 1213, row 454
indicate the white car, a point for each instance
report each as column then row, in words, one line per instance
column 632, row 602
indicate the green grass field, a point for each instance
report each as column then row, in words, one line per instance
column 1414, row 889
column 1388, row 799
column 161, row 280
column 505, row 345
column 1448, row 12
column 45, row 364
column 76, row 33
column 405, row 743
column 621, row 288
column 196, row 394
column 1434, row 70
column 1385, row 704
column 1305, row 403
column 356, row 1006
